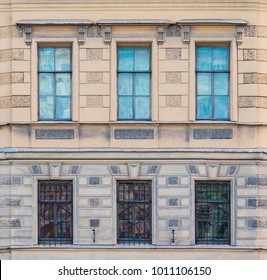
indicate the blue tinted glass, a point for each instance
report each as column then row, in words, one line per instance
column 203, row 84
column 63, row 84
column 142, row 84
column 221, row 107
column 221, row 83
column 46, row 107
column 62, row 59
column 204, row 58
column 142, row 59
column 142, row 108
column 46, row 59
column 62, row 107
column 125, row 84
column 221, row 58
column 125, row 107
column 204, row 107
column 126, row 59
column 46, row 84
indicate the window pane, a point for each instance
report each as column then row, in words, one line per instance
column 142, row 59
column 142, row 107
column 46, row 59
column 46, row 107
column 125, row 84
column 204, row 58
column 142, row 84
column 62, row 107
column 204, row 107
column 126, row 58
column 203, row 84
column 63, row 59
column 63, row 86
column 221, row 107
column 46, row 84
column 221, row 83
column 125, row 107
column 221, row 58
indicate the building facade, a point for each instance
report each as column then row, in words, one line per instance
column 133, row 129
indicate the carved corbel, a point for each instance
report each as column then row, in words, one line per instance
column 28, row 35
column 107, row 35
column 239, row 34
column 134, row 171
column 81, row 35
column 186, row 34
column 55, row 169
column 161, row 35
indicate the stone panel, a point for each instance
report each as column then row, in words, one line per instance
column 94, row 31
column 193, row 169
column 94, row 223
column 94, row 202
column 134, row 134
column 232, row 170
column 94, row 77
column 173, row 31
column 17, row 77
column 172, row 180
column 74, row 169
column 250, row 54
column 15, row 102
column 12, row 223
column 257, row 223
column 153, row 169
column 94, row 54
column 114, row 169
column 173, row 54
column 173, row 77
column 10, row 180
column 173, row 201
column 7, row 202
column 94, row 180
column 173, row 101
column 247, row 101
column 54, row 133
column 5, row 79
column 250, row 31
column 10, row 31
column 226, row 133
column 257, row 202
column 255, row 78
column 35, row 169
column 253, row 181
column 94, row 101
column 174, row 223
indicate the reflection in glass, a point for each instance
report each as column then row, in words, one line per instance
column 221, row 58
column 125, row 107
column 142, row 59
column 46, row 84
column 142, row 84
column 125, row 84
column 62, row 107
column 204, row 107
column 46, row 104
column 204, row 58
column 142, row 105
column 63, row 84
column 221, row 83
column 62, row 59
column 204, row 84
column 221, row 105
column 126, row 59
column 46, row 59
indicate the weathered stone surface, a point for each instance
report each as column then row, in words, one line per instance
column 94, row 223
column 35, row 169
column 250, row 54
column 232, row 170
column 260, row 202
column 94, row 202
column 5, row 79
column 94, row 31
column 94, row 77
column 7, row 202
column 226, row 133
column 262, row 55
column 257, row 223
column 54, row 133
column 10, row 31
column 10, row 180
column 134, row 134
column 15, row 102
column 8, row 78
column 172, row 180
column 255, row 78
column 173, row 77
column 262, row 102
column 173, row 54
column 173, row 201
column 74, row 169
column 94, row 180
column 153, row 169
column 247, row 101
column 252, row 181
column 114, row 169
column 262, row 31
column 173, row 31
column 174, row 223
column 17, row 54
column 250, row 31
column 5, row 55
column 12, row 223
column 193, row 169
column 17, row 77
column 261, row 78
column 94, row 101
column 173, row 101
column 94, row 54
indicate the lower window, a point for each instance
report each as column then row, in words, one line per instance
column 55, row 216
column 134, row 212
column 212, row 212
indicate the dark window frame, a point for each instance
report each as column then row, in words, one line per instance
column 54, row 73
column 134, row 72
column 133, row 240
column 54, row 204
column 205, row 211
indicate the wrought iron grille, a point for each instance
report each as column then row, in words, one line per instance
column 134, row 212
column 55, row 212
column 212, row 212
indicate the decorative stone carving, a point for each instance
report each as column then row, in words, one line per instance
column 10, row 180
column 232, row 170
column 186, row 34
column 225, row 133
column 173, row 223
column 115, row 169
column 173, row 201
column 173, row 101
column 7, row 202
column 213, row 170
column 250, row 78
column 54, row 133
column 94, row 31
column 239, row 34
column 161, row 33
column 173, row 77
column 107, row 36
column 172, row 180
column 36, row 170
column 74, row 169
column 134, row 171
column 28, row 35
column 134, row 134
column 250, row 31
column 173, row 54
column 246, row 101
column 81, row 35
column 94, row 54
column 173, row 31
column 252, row 181
column 94, row 101
column 94, row 202
column 94, row 180
column 153, row 169
column 257, row 223
column 94, row 223
column 12, row 223
column 250, row 54
column 55, row 169
column 94, row 77
column 193, row 169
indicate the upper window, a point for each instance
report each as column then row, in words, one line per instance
column 134, row 83
column 54, row 77
column 134, row 212
column 212, row 212
column 55, row 212
column 212, row 77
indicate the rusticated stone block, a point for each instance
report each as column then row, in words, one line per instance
column 250, row 78
column 173, row 201
column 5, row 79
column 250, row 31
column 173, row 31
column 54, row 134
column 193, row 169
column 247, row 101
column 257, row 223
column 94, row 31
column 226, row 133
column 7, row 202
column 13, row 223
column 153, row 169
column 17, row 54
column 114, row 169
column 260, row 202
column 173, row 54
column 94, row 77
column 94, row 180
column 74, row 169
column 262, row 31
column 10, row 31
column 94, row 202
column 173, row 77
column 17, row 77
column 252, row 181
column 35, row 169
column 173, row 101
column 232, row 170
column 94, row 101
column 21, row 101
column 172, row 180
column 5, row 55
column 174, row 223
column 262, row 55
column 10, row 180
column 94, row 54
column 134, row 134
column 5, row 102
column 262, row 102
column 261, row 78
column 250, row 54
column 94, row 223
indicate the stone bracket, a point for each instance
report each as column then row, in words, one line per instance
column 55, row 169
column 239, row 34
column 161, row 35
column 134, row 170
column 28, row 35
column 81, row 35
column 186, row 29
column 107, row 35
